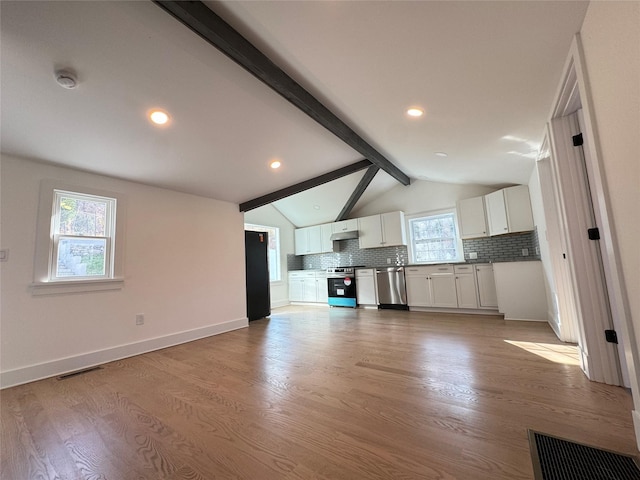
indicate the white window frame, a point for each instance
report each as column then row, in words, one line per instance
column 434, row 213
column 45, row 280
column 263, row 228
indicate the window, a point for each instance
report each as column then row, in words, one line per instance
column 434, row 238
column 273, row 251
column 82, row 234
column 78, row 240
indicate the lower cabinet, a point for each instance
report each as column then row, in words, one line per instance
column 308, row 286
column 466, row 286
column 487, row 295
column 366, row 291
column 431, row 286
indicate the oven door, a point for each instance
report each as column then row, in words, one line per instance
column 342, row 291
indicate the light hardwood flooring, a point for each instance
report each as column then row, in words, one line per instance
column 318, row 393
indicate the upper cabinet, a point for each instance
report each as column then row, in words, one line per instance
column 384, row 230
column 472, row 218
column 316, row 239
column 345, row 226
column 509, row 210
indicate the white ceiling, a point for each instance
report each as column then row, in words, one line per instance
column 485, row 72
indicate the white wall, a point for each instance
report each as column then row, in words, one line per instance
column 184, row 269
column 420, row 196
column 270, row 216
column 611, row 41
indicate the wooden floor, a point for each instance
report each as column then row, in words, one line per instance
column 318, row 393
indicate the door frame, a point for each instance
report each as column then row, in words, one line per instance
column 574, row 92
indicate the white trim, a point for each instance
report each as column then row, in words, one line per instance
column 76, row 286
column 466, row 311
column 19, row 376
column 280, row 303
column 432, row 213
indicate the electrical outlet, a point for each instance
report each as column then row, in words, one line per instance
column 525, row 252
column 388, row 260
column 140, row 319
column 473, row 255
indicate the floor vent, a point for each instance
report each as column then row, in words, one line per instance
column 557, row 459
column 78, row 372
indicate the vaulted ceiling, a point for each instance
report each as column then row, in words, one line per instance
column 485, row 74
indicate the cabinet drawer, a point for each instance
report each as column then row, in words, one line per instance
column 364, row 272
column 421, row 270
column 300, row 274
column 463, row 268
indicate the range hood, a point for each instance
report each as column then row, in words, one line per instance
column 344, row 235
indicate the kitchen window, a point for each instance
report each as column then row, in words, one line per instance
column 273, row 250
column 78, row 240
column 433, row 238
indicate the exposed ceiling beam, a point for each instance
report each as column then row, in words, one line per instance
column 302, row 186
column 203, row 21
column 357, row 193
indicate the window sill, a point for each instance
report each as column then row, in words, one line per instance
column 76, row 286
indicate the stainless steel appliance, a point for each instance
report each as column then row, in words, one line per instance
column 392, row 292
column 341, row 285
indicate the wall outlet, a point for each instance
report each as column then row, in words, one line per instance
column 140, row 319
column 388, row 260
column 525, row 252
column 473, row 255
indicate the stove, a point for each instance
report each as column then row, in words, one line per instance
column 341, row 284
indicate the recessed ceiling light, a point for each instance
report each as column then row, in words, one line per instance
column 441, row 154
column 159, row 117
column 415, row 112
column 316, row 207
column 275, row 164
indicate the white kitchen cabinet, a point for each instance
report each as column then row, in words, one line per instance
column 384, row 230
column 509, row 210
column 326, row 244
column 310, row 240
column 466, row 286
column 431, row 286
column 307, row 286
column 366, row 292
column 345, row 226
column 487, row 296
column 472, row 218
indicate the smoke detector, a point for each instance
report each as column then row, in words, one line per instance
column 66, row 79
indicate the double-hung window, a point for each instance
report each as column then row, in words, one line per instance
column 79, row 240
column 434, row 238
column 82, row 234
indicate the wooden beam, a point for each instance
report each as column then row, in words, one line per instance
column 203, row 21
column 357, row 193
column 302, row 186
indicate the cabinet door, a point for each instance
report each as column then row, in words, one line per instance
column 366, row 287
column 315, row 239
column 418, row 291
column 370, row 229
column 472, row 218
column 296, row 286
column 309, row 290
column 443, row 290
column 518, row 206
column 322, row 292
column 325, row 233
column 466, row 290
column 345, row 225
column 487, row 296
column 301, row 236
column 393, row 231
column 496, row 213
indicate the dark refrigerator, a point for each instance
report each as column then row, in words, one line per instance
column 256, row 245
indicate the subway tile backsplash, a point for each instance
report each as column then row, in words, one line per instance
column 503, row 248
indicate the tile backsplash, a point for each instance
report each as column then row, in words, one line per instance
column 503, row 248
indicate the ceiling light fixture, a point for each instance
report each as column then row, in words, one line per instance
column 415, row 112
column 275, row 164
column 441, row 154
column 159, row 117
column 66, row 79
column 316, row 207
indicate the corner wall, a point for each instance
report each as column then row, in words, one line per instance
column 183, row 267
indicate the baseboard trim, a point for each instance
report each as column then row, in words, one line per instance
column 280, row 303
column 635, row 414
column 19, row 376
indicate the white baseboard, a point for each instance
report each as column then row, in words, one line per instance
column 279, row 303
column 19, row 376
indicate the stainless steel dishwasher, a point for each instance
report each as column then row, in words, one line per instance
column 392, row 292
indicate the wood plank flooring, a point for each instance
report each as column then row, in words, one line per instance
column 318, row 393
